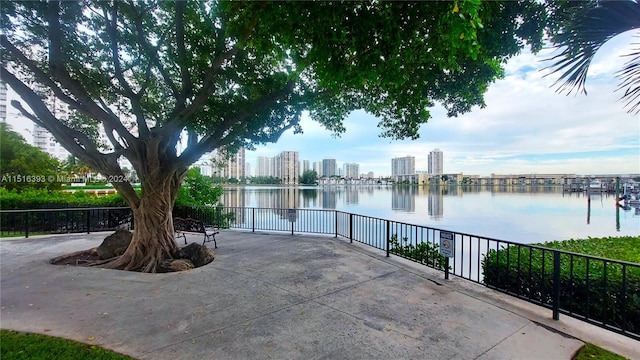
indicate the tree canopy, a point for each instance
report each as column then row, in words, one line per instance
column 240, row 73
column 309, row 177
column 23, row 166
column 172, row 80
column 198, row 190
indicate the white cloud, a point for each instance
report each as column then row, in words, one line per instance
column 526, row 127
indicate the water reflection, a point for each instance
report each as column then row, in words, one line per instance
column 329, row 197
column 436, row 204
column 351, row 195
column 403, row 198
column 519, row 213
column 588, row 209
column 309, row 197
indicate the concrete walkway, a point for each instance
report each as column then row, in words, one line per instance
column 277, row 296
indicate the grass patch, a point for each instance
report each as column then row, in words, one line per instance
column 590, row 352
column 18, row 345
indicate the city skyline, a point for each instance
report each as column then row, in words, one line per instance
column 404, row 167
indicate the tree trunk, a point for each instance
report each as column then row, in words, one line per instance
column 153, row 235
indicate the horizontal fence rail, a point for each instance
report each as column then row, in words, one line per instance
column 600, row 291
column 64, row 220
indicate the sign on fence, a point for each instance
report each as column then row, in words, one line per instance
column 292, row 215
column 447, row 244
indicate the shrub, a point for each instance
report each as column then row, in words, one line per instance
column 599, row 289
column 424, row 252
column 45, row 199
column 210, row 215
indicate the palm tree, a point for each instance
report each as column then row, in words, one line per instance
column 584, row 32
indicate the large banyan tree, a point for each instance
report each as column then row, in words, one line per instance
column 159, row 76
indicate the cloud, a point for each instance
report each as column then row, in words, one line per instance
column 526, row 127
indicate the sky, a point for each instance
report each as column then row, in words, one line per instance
column 525, row 128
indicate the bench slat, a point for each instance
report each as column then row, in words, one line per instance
column 193, row 226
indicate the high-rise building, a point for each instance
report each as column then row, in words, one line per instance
column 43, row 139
column 287, row 167
column 435, row 162
column 403, row 166
column 368, row 175
column 351, row 170
column 3, row 101
column 305, row 165
column 229, row 167
column 329, row 167
column 263, row 166
column 317, row 167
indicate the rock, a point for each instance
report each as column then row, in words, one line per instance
column 115, row 244
column 172, row 265
column 199, row 255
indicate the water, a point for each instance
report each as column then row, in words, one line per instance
column 523, row 214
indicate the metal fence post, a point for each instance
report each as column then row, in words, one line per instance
column 88, row 221
column 253, row 219
column 556, row 285
column 351, row 228
column 335, row 212
column 388, row 236
column 26, row 224
column 446, row 268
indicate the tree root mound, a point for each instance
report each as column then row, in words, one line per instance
column 79, row 258
column 90, row 258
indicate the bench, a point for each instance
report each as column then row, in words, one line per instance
column 192, row 226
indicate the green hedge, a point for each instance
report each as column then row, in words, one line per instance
column 211, row 215
column 424, row 252
column 64, row 221
column 601, row 290
column 45, row 199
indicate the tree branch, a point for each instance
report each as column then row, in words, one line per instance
column 192, row 139
column 40, row 75
column 75, row 141
column 117, row 146
column 84, row 102
column 193, row 153
column 112, row 30
column 187, row 86
column 177, row 118
column 151, row 52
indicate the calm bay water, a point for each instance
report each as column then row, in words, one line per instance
column 516, row 213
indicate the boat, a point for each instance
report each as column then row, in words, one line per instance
column 596, row 186
column 632, row 200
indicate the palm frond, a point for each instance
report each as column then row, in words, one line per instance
column 630, row 81
column 585, row 34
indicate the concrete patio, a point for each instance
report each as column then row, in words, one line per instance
column 278, row 296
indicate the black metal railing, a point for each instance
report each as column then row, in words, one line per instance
column 68, row 220
column 600, row 291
